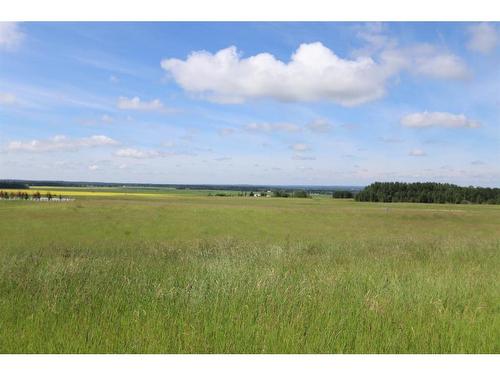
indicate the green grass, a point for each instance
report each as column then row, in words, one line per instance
column 187, row 273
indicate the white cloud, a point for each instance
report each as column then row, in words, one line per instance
column 477, row 162
column 421, row 59
column 427, row 60
column 7, row 98
column 437, row 119
column 61, row 143
column 226, row 131
column 93, row 167
column 137, row 104
column 300, row 147
column 298, row 156
column 417, row 152
column 140, row 154
column 298, row 151
column 313, row 73
column 444, row 65
column 430, row 61
column 483, row 38
column 320, row 126
column 391, row 140
column 107, row 119
column 223, row 158
column 169, row 144
column 374, row 34
column 272, row 127
column 10, row 35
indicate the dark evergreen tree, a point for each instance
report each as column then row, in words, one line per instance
column 428, row 192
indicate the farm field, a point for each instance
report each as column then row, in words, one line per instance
column 182, row 272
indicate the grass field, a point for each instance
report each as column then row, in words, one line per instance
column 177, row 272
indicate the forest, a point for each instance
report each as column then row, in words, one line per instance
column 427, row 192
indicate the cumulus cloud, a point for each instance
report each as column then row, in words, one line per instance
column 313, row 73
column 272, row 127
column 140, row 154
column 61, row 143
column 483, row 38
column 417, row 152
column 438, row 119
column 7, row 98
column 93, row 167
column 320, row 126
column 137, row 104
column 11, row 35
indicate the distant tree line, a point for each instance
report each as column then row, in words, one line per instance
column 342, row 194
column 293, row 194
column 236, row 188
column 269, row 193
column 22, row 195
column 427, row 192
column 13, row 185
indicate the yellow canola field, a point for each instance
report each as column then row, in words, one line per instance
column 76, row 193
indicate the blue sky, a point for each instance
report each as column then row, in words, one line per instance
column 258, row 103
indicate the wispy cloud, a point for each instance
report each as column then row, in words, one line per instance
column 55, row 95
column 135, row 153
column 417, row 152
column 483, row 38
column 437, row 119
column 272, row 127
column 301, row 151
column 7, row 98
column 136, row 104
column 61, row 143
column 391, row 140
column 320, row 126
column 421, row 58
column 224, row 132
column 300, row 147
column 477, row 162
column 11, row 36
column 107, row 119
column 223, row 158
column 429, row 60
column 298, row 156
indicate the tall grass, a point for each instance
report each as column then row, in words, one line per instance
column 231, row 293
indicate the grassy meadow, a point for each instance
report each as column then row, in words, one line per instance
column 181, row 272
